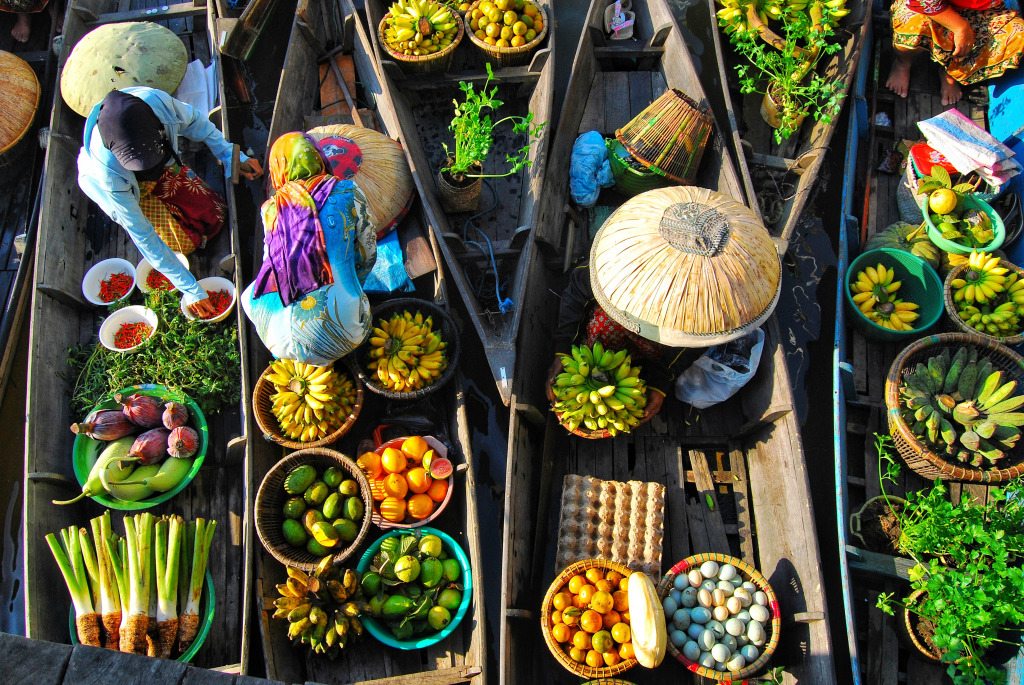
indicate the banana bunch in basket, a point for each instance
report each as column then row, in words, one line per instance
column 407, row 353
column 419, row 27
column 309, row 401
column 989, row 298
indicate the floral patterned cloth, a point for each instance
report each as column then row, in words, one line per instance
column 184, row 211
column 29, row 6
column 998, row 36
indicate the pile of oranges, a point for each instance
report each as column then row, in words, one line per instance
column 590, row 618
column 407, row 483
column 504, row 23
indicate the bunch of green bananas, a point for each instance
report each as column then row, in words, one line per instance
column 309, row 401
column 600, row 390
column 961, row 407
column 420, row 27
column 322, row 608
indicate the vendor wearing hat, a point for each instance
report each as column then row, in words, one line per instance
column 129, row 166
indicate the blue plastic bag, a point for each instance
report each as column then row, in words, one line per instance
column 389, row 274
column 590, row 170
column 721, row 371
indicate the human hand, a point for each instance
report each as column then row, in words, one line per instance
column 250, row 168
column 963, row 41
column 553, row 371
column 654, row 400
column 203, row 308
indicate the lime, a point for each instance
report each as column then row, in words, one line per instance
column 431, row 546
column 439, row 617
column 407, row 568
column 396, row 606
column 370, row 583
column 431, row 572
column 376, row 606
column 452, row 570
column 450, row 599
column 602, row 641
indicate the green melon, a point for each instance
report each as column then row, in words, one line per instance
column 896, row 236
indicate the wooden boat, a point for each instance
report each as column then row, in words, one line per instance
column 860, row 367
column 779, row 179
column 423, row 106
column 745, row 452
column 73, row 235
column 461, row 656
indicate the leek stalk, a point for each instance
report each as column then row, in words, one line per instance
column 139, row 536
column 169, row 534
column 188, row 621
column 109, row 605
column 69, row 559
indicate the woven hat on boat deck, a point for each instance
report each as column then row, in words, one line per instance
column 117, row 56
column 376, row 164
column 669, row 136
column 685, row 267
column 19, row 99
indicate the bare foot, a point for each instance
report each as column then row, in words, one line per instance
column 950, row 91
column 22, row 28
column 899, row 77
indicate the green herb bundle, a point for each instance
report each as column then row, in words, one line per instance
column 194, row 358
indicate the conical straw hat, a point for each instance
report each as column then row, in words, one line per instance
column 19, row 99
column 685, row 267
column 116, row 56
column 376, row 164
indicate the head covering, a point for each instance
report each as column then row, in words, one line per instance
column 294, row 238
column 132, row 132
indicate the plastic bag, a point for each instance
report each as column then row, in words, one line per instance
column 590, row 170
column 389, row 274
column 721, row 371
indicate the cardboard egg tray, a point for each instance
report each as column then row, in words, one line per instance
column 623, row 522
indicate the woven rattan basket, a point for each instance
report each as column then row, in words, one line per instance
column 959, row 324
column 265, row 419
column 513, row 57
column 685, row 267
column 376, row 164
column 915, row 453
column 748, row 572
column 19, row 100
column 629, row 180
column 443, row 323
column 271, row 497
column 560, row 581
column 436, row 63
column 669, row 136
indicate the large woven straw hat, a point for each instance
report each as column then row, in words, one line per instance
column 376, row 164
column 19, row 99
column 116, row 56
column 685, row 267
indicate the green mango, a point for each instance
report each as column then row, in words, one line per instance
column 298, row 479
column 332, row 506
column 294, row 534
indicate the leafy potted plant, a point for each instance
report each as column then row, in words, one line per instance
column 460, row 179
column 967, row 584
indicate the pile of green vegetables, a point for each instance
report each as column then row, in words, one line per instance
column 194, row 358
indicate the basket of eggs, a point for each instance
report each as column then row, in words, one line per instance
column 410, row 480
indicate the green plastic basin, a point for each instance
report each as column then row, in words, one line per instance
column 974, row 202
column 919, row 284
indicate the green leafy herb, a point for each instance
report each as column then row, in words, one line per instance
column 197, row 359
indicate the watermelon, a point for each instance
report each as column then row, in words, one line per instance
column 906, row 237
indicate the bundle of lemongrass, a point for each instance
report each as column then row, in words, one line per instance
column 128, row 588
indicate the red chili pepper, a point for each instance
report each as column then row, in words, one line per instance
column 157, row 281
column 114, row 287
column 131, row 334
column 221, row 300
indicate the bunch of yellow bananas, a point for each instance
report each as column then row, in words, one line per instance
column 322, row 608
column 419, row 27
column 600, row 390
column 310, row 401
column 407, row 353
column 874, row 294
column 982, row 280
column 734, row 16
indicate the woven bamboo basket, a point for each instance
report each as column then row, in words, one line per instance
column 376, row 164
column 513, row 57
column 669, row 136
column 630, row 181
column 271, row 497
column 19, row 101
column 685, row 267
column 748, row 572
column 439, row 62
column 265, row 419
column 958, row 324
column 560, row 581
column 914, row 452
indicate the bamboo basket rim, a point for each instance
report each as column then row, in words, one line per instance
column 269, row 498
column 420, row 59
column 910, row 447
column 35, row 106
column 650, row 163
column 960, row 324
column 582, row 670
column 267, row 421
column 665, row 586
column 438, row 446
column 496, row 51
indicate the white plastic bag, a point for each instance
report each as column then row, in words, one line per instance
column 721, row 371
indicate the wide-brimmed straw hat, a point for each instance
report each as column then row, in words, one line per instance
column 685, row 267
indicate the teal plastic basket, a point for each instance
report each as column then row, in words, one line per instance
column 970, row 202
column 919, row 284
column 628, row 180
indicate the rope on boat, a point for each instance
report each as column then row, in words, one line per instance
column 504, row 304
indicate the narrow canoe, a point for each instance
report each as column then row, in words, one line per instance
column 745, row 454
column 461, row 657
column 423, row 104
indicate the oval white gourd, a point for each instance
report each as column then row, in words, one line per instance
column 647, row 620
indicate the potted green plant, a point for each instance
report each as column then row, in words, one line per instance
column 460, row 179
column 967, row 585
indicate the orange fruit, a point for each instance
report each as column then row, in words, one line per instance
column 578, row 602
column 602, row 641
column 591, row 621
column 601, row 602
column 594, row 659
column 575, row 583
column 517, row 41
column 577, row 655
column 560, row 632
column 520, row 28
column 613, row 577
column 626, row 651
column 418, row 479
column 530, row 10
column 594, row 575
column 587, row 592
column 393, row 509
column 625, row 617
column 611, row 658
column 556, row 616
column 480, row 34
column 605, row 585
column 612, row 618
column 581, row 639
column 414, row 447
column 393, row 460
column 621, row 633
column 620, row 601
column 561, row 601
column 420, row 506
column 571, row 616
column 395, row 485
column 438, row 490
column 510, row 18
column 502, row 43
column 492, row 30
column 490, row 41
column 377, row 489
column 624, row 584
column 506, row 33
column 369, row 463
